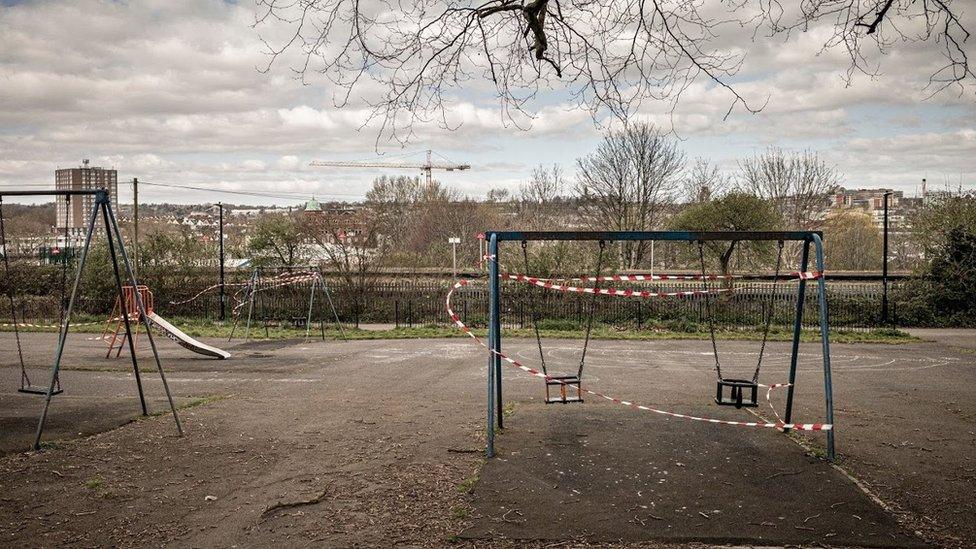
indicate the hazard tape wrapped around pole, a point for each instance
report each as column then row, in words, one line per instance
column 515, row 363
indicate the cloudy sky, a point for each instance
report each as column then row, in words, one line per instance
column 169, row 92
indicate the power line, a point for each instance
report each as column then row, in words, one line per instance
column 284, row 195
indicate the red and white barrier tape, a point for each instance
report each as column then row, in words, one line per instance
column 205, row 290
column 767, row 425
column 275, row 281
column 548, row 284
column 806, row 275
column 279, row 284
column 58, row 326
column 652, row 277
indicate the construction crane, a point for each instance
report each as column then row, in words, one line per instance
column 425, row 167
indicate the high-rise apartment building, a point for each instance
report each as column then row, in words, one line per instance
column 77, row 210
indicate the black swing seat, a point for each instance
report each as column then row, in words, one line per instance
column 38, row 390
column 564, row 394
column 741, row 393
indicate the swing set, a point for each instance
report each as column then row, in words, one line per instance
column 59, row 253
column 257, row 288
column 734, row 392
column 101, row 206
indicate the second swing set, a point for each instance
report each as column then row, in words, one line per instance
column 736, row 392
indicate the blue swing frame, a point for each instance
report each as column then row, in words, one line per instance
column 495, row 238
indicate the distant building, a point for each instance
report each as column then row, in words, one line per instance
column 77, row 210
column 868, row 200
column 871, row 201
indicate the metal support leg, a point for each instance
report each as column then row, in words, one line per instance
column 335, row 312
column 499, row 409
column 124, row 307
column 825, row 341
column 493, row 324
column 59, row 352
column 308, row 318
column 250, row 304
column 107, row 209
column 797, row 328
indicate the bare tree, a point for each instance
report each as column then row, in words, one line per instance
column 544, row 185
column 351, row 247
column 538, row 198
column 401, row 206
column 407, row 59
column 798, row 184
column 852, row 241
column 628, row 182
column 704, row 182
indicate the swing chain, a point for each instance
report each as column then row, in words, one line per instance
column 589, row 320
column 770, row 306
column 708, row 309
column 24, row 380
column 533, row 312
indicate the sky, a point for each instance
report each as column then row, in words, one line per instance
column 170, row 92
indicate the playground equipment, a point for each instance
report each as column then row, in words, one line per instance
column 740, row 392
column 565, row 382
column 116, row 247
column 120, row 310
column 63, row 257
column 258, row 286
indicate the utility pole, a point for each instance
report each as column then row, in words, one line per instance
column 884, row 264
column 223, row 295
column 454, row 241
column 135, row 226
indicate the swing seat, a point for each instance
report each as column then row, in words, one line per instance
column 38, row 390
column 564, row 394
column 737, row 392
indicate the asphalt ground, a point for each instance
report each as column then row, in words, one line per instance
column 378, row 443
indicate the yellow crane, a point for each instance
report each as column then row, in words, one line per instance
column 425, row 167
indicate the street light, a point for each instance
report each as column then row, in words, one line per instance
column 223, row 295
column 884, row 264
column 454, row 241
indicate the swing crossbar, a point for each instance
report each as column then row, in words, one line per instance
column 680, row 236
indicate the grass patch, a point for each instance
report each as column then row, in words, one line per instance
column 508, row 410
column 52, row 444
column 550, row 328
column 547, row 328
column 200, row 401
column 468, row 484
column 94, row 483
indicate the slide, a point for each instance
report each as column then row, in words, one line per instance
column 185, row 341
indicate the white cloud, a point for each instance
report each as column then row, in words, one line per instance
column 185, row 103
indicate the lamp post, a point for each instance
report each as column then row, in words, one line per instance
column 884, row 263
column 223, row 295
column 454, row 241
